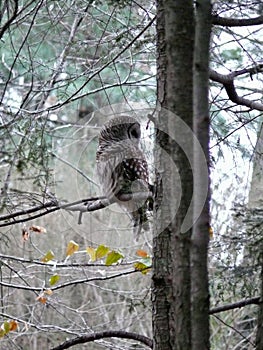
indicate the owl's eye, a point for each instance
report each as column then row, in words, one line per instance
column 134, row 131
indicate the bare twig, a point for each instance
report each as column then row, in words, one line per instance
column 74, row 167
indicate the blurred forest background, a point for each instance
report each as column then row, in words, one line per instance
column 66, row 67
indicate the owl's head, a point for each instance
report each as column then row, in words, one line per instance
column 120, row 129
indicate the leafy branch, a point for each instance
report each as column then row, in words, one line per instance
column 61, row 265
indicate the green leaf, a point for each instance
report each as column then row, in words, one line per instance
column 112, row 258
column 49, row 256
column 101, row 251
column 6, row 327
column 54, row 279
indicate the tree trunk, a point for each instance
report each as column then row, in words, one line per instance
column 256, row 189
column 200, row 235
column 255, row 202
column 259, row 337
column 171, row 264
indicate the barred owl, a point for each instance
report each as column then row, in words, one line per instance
column 122, row 167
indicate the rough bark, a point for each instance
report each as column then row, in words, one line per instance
column 171, row 264
column 200, row 235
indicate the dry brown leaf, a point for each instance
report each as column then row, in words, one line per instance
column 13, row 325
column 42, row 299
column 142, row 253
column 25, row 235
column 37, row 229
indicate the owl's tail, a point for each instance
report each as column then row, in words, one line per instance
column 140, row 221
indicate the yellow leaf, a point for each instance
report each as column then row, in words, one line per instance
column 112, row 258
column 142, row 253
column 72, row 248
column 54, row 279
column 2, row 332
column 101, row 251
column 48, row 292
column 92, row 253
column 211, row 232
column 139, row 266
column 49, row 256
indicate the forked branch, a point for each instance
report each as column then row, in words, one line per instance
column 227, row 80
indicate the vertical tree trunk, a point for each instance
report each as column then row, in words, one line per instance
column 171, row 265
column 259, row 337
column 255, row 202
column 200, row 235
column 256, row 188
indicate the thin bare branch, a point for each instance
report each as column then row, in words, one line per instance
column 236, row 22
column 10, row 20
column 69, row 283
column 106, row 334
column 145, row 340
column 74, row 167
column 75, row 95
column 82, row 206
column 236, row 305
column 227, row 80
column 235, row 130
